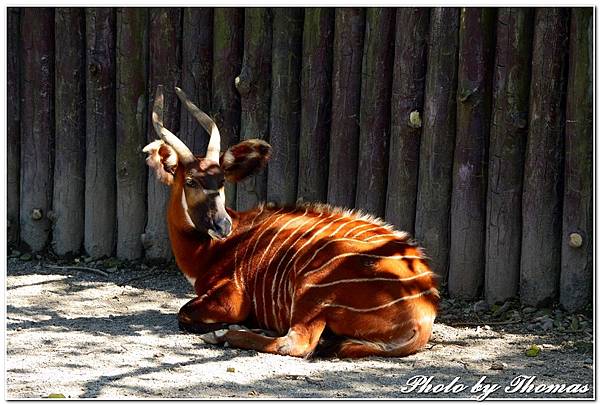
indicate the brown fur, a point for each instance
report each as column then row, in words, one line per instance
column 301, row 272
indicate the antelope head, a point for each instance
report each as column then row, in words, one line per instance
column 202, row 178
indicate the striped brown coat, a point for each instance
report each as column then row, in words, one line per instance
column 307, row 274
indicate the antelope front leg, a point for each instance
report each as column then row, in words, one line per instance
column 300, row 341
column 214, row 310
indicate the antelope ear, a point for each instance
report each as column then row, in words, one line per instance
column 163, row 159
column 245, row 159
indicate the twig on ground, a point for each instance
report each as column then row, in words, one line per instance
column 83, row 268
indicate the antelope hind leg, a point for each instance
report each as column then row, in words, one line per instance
column 300, row 341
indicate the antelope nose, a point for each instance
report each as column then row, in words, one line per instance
column 223, row 226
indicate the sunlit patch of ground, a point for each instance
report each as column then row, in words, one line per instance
column 81, row 334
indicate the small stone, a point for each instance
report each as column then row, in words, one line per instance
column 231, row 369
column 498, row 366
column 547, row 324
column 528, row 310
column 589, row 360
column 481, row 306
column 501, row 310
column 38, row 257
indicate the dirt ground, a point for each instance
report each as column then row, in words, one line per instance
column 82, row 334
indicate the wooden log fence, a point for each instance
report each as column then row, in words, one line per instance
column 469, row 128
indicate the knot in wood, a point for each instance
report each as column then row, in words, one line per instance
column 36, row 214
column 94, row 68
column 243, row 83
column 575, row 240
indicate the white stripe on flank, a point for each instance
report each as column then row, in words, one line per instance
column 380, row 235
column 359, row 254
column 328, row 243
column 362, row 280
column 235, row 269
column 262, row 208
column 389, row 304
column 267, row 250
column 343, row 225
column 366, row 230
column 278, row 290
column 256, row 272
column 274, row 254
column 289, row 290
column 355, row 228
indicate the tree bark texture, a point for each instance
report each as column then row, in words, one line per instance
column 37, row 125
column 542, row 201
column 376, row 90
column 100, row 196
column 317, row 48
column 13, row 127
column 165, row 62
column 577, row 261
column 410, row 65
column 344, row 137
column 196, row 73
column 254, row 86
column 437, row 142
column 469, row 178
column 508, row 137
column 285, row 104
column 131, row 99
column 228, row 34
column 69, row 167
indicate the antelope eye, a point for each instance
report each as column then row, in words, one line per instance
column 191, row 183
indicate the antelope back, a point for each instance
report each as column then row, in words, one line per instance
column 293, row 261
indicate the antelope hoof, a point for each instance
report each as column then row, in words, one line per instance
column 214, row 338
column 238, row 328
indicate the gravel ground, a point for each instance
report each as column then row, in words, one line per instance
column 81, row 334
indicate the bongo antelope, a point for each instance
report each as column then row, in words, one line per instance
column 303, row 272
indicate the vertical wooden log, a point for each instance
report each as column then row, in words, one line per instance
column 196, row 73
column 315, row 92
column 100, row 196
column 508, row 137
column 131, row 99
column 348, row 42
column 541, row 243
column 254, row 86
column 376, row 90
column 437, row 142
column 13, row 128
column 69, row 168
column 285, row 105
column 165, row 69
column 228, row 37
column 474, row 93
column 410, row 63
column 37, row 124
column 577, row 228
